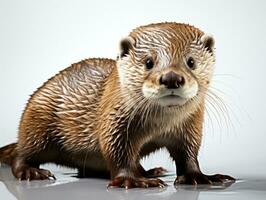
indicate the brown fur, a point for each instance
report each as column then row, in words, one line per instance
column 8, row 153
column 90, row 117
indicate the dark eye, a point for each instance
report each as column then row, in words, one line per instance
column 149, row 63
column 191, row 63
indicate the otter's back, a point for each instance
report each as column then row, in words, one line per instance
column 65, row 106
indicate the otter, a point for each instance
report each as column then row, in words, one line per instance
column 102, row 116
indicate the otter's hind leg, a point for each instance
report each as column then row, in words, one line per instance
column 26, row 165
column 24, row 171
column 153, row 172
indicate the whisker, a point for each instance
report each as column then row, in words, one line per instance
column 222, row 113
column 214, row 111
column 84, row 163
column 217, row 105
column 226, row 75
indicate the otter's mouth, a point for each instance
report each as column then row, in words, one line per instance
column 170, row 97
column 172, row 100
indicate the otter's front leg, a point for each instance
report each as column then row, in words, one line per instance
column 188, row 170
column 125, row 171
column 184, row 150
column 122, row 157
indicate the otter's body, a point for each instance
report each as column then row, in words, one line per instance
column 102, row 116
column 63, row 114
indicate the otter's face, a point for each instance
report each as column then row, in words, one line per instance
column 169, row 66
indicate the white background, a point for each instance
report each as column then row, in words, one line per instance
column 38, row 38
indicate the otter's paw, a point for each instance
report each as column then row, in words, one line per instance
column 155, row 172
column 220, row 178
column 128, row 182
column 199, row 178
column 31, row 173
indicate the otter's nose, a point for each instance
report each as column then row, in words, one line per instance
column 172, row 80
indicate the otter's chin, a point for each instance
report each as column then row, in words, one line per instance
column 172, row 101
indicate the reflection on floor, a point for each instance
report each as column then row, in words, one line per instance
column 68, row 187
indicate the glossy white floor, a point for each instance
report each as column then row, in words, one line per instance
column 68, row 187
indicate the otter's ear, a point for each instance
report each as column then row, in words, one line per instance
column 208, row 42
column 125, row 45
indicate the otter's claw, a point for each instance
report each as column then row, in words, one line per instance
column 31, row 173
column 199, row 178
column 128, row 182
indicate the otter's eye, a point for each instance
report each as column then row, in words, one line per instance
column 191, row 63
column 149, row 63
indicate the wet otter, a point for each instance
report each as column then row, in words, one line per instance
column 102, row 116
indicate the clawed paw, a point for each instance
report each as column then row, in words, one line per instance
column 31, row 173
column 220, row 178
column 129, row 182
column 199, row 178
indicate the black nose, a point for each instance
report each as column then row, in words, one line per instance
column 172, row 80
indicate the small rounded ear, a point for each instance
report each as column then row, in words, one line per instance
column 125, row 45
column 208, row 42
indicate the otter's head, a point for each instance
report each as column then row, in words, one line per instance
column 169, row 64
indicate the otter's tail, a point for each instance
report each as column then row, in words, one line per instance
column 8, row 153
